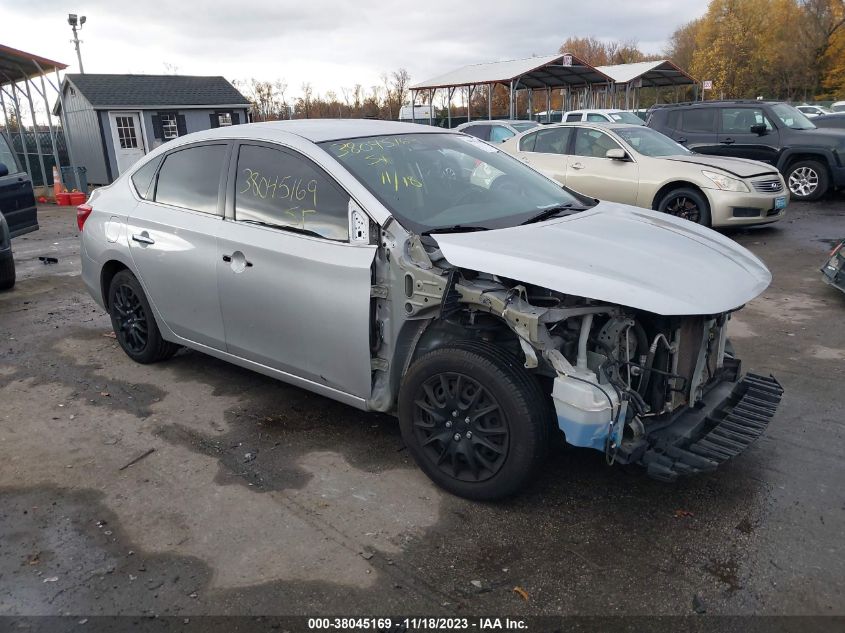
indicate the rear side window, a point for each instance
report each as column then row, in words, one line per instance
column 478, row 131
column 553, row 140
column 143, row 178
column 190, row 178
column 573, row 117
column 6, row 156
column 500, row 133
column 286, row 190
column 699, row 120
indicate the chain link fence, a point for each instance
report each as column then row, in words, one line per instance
column 28, row 148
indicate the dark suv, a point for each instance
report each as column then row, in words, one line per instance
column 18, row 214
column 811, row 160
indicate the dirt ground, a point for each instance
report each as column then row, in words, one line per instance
column 260, row 498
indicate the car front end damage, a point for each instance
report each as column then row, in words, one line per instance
column 663, row 391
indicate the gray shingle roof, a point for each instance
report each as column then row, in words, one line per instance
column 156, row 90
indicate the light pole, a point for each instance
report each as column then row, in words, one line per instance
column 74, row 23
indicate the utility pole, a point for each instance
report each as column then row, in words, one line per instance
column 74, row 23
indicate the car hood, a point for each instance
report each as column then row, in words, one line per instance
column 740, row 167
column 618, row 254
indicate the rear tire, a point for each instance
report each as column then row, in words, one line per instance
column 7, row 272
column 807, row 180
column 687, row 204
column 474, row 420
column 134, row 323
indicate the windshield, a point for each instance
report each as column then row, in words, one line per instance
column 435, row 181
column 792, row 117
column 649, row 142
column 626, row 117
column 527, row 125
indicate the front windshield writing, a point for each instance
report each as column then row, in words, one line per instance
column 431, row 181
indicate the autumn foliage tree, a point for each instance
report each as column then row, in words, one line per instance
column 784, row 49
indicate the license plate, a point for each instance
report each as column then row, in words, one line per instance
column 780, row 202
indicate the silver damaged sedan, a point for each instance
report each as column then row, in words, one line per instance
column 425, row 273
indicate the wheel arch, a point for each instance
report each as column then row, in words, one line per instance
column 107, row 273
column 796, row 156
column 678, row 184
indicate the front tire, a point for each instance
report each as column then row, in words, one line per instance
column 687, row 204
column 134, row 323
column 474, row 420
column 807, row 180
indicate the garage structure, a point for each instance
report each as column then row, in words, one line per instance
column 114, row 120
column 630, row 79
column 580, row 83
column 24, row 80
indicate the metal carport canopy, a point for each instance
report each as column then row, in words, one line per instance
column 657, row 74
column 549, row 71
column 19, row 67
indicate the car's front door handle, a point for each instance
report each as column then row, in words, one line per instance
column 728, row 141
column 142, row 238
column 577, row 166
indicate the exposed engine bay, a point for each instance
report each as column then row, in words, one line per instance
column 619, row 378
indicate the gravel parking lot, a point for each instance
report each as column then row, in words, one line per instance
column 262, row 498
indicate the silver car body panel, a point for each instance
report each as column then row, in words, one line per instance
column 277, row 311
column 613, row 253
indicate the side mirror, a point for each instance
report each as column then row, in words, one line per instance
column 616, row 154
column 759, row 129
column 4, row 171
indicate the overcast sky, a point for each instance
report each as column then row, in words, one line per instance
column 330, row 44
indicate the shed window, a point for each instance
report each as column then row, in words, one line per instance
column 224, row 118
column 169, row 128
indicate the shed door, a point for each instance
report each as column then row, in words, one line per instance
column 127, row 139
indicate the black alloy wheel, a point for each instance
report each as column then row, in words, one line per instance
column 475, row 421
column 460, row 427
column 133, row 321
column 687, row 204
column 132, row 330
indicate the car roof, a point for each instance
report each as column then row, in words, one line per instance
column 319, row 130
column 491, row 121
column 599, row 110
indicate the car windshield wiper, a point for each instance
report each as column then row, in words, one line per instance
column 457, row 228
column 553, row 211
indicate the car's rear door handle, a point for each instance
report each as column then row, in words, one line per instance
column 683, row 139
column 727, row 141
column 577, row 166
column 228, row 259
column 142, row 238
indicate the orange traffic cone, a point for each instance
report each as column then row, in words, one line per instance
column 57, row 182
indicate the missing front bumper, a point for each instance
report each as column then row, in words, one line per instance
column 733, row 416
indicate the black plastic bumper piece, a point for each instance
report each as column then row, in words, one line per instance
column 702, row 439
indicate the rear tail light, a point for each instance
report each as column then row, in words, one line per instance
column 836, row 249
column 82, row 213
